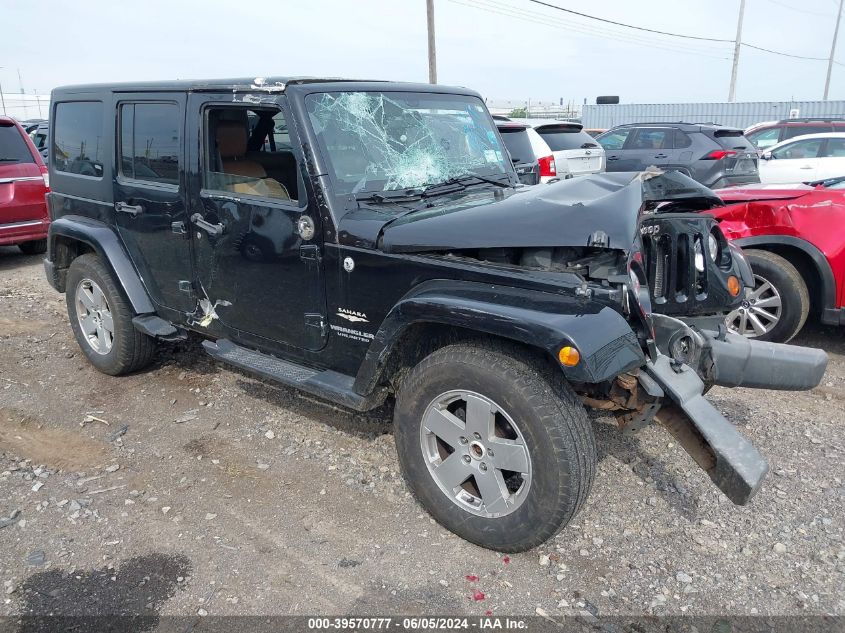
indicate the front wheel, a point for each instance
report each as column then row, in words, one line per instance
column 777, row 307
column 496, row 447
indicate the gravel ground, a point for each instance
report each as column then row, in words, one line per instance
column 191, row 488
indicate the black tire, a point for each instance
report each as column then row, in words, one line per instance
column 552, row 421
column 788, row 283
column 34, row 247
column 130, row 349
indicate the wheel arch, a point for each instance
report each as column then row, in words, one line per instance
column 71, row 236
column 808, row 260
column 440, row 312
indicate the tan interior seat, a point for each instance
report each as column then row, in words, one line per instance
column 232, row 137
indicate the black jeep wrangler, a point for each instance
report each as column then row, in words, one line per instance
column 370, row 240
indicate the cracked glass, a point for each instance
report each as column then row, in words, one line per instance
column 385, row 141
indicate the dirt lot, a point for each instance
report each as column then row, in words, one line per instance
column 226, row 495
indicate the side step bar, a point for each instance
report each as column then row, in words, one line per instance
column 329, row 385
column 731, row 461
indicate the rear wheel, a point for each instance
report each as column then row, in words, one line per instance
column 33, row 247
column 777, row 307
column 497, row 448
column 101, row 319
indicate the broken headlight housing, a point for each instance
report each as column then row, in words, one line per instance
column 713, row 249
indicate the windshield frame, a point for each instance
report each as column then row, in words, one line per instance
column 339, row 188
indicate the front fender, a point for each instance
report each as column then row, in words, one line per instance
column 607, row 344
column 106, row 243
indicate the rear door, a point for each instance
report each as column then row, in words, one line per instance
column 575, row 151
column 21, row 181
column 647, row 147
column 149, row 194
column 831, row 163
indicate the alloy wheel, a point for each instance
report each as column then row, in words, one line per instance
column 94, row 316
column 475, row 453
column 759, row 313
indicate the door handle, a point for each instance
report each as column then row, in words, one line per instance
column 612, row 158
column 208, row 227
column 131, row 209
column 806, row 167
column 660, row 155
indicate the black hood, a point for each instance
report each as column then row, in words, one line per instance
column 566, row 213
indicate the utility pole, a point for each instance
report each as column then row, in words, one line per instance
column 832, row 50
column 432, row 53
column 737, row 47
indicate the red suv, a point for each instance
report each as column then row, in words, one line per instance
column 765, row 135
column 795, row 242
column 23, row 185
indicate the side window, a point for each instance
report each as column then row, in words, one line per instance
column 78, row 146
column 799, row 149
column 652, row 138
column 835, row 148
column 248, row 151
column 765, row 138
column 681, row 140
column 614, row 140
column 149, row 142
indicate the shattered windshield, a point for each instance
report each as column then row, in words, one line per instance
column 384, row 141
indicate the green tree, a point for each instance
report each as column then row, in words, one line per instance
column 518, row 113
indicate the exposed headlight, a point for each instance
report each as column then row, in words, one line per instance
column 699, row 257
column 713, row 247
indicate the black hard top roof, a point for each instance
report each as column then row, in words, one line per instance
column 253, row 84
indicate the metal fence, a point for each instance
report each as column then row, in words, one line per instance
column 741, row 115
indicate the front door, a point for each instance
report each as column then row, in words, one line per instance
column 149, row 194
column 254, row 227
column 792, row 163
column 648, row 147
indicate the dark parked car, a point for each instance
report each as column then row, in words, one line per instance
column 770, row 133
column 23, row 185
column 386, row 250
column 713, row 155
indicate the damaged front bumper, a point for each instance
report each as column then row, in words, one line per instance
column 691, row 360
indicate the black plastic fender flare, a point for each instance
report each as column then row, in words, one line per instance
column 549, row 321
column 106, row 243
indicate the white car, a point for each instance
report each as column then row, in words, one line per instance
column 804, row 159
column 576, row 152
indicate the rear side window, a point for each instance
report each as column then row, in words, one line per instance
column 652, row 138
column 13, row 148
column 518, row 144
column 561, row 138
column 78, row 144
column 681, row 140
column 835, row 147
column 792, row 131
column 149, row 142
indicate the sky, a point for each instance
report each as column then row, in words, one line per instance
column 505, row 49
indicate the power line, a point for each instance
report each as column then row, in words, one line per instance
column 689, row 37
column 768, row 50
column 629, row 26
column 545, row 20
